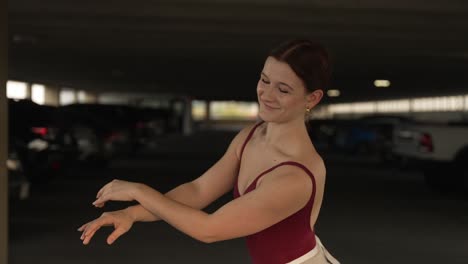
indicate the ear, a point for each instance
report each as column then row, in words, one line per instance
column 314, row 98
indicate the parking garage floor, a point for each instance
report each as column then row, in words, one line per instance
column 372, row 213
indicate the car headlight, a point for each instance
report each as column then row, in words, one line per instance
column 13, row 164
column 38, row 144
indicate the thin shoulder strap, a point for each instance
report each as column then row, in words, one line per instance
column 292, row 163
column 312, row 177
column 249, row 137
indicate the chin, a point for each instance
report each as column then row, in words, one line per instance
column 274, row 118
column 267, row 117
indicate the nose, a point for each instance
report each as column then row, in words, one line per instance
column 265, row 93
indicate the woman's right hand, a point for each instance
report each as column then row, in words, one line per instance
column 121, row 220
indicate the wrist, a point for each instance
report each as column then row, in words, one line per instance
column 130, row 211
column 136, row 193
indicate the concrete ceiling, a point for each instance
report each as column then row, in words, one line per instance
column 215, row 49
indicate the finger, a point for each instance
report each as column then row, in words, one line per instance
column 84, row 232
column 91, row 229
column 101, row 200
column 100, row 191
column 103, row 189
column 102, row 221
column 88, row 238
column 82, row 227
column 88, row 234
column 100, row 205
column 115, row 235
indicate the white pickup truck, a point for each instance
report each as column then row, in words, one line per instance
column 440, row 151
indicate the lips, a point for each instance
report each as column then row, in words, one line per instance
column 269, row 106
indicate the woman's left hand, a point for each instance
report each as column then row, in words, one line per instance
column 116, row 190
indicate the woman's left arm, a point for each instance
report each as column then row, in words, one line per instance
column 275, row 199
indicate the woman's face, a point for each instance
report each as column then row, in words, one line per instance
column 282, row 95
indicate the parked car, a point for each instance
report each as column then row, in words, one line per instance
column 99, row 131
column 39, row 140
column 440, row 151
column 151, row 123
column 366, row 136
column 106, row 131
column 18, row 183
column 384, row 127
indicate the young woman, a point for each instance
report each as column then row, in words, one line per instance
column 277, row 175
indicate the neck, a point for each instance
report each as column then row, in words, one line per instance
column 291, row 134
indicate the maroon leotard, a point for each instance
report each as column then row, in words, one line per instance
column 288, row 239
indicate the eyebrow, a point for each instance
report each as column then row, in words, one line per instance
column 285, row 84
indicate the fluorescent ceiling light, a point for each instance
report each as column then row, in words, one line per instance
column 381, row 83
column 333, row 93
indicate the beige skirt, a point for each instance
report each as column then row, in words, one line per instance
column 318, row 255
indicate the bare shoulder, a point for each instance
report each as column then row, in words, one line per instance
column 240, row 138
column 293, row 181
column 312, row 161
column 315, row 163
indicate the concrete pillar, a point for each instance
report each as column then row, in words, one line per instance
column 3, row 169
column 28, row 95
column 3, row 133
column 91, row 98
column 52, row 95
column 85, row 97
column 208, row 111
column 187, row 125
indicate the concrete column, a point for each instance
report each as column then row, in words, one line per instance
column 85, row 97
column 3, row 133
column 208, row 111
column 3, row 169
column 28, row 91
column 91, row 98
column 187, row 125
column 52, row 95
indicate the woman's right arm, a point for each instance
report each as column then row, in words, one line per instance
column 215, row 182
column 201, row 192
column 186, row 193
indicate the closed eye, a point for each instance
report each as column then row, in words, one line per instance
column 283, row 91
column 265, row 81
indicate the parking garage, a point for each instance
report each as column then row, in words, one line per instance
column 155, row 92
